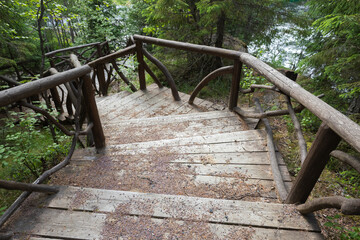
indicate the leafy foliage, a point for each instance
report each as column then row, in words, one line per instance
column 101, row 21
column 28, row 149
column 333, row 55
column 17, row 41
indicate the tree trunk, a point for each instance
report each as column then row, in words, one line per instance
column 355, row 105
column 72, row 32
column 220, row 30
column 40, row 16
column 63, row 31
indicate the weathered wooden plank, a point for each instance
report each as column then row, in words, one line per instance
column 248, row 146
column 261, row 172
column 246, row 158
column 214, row 180
column 140, row 132
column 60, row 224
column 188, row 229
column 172, row 106
column 138, row 97
column 255, row 137
column 159, row 98
column 154, row 134
column 100, row 101
column 187, row 108
column 250, row 171
column 123, row 110
column 111, row 107
column 176, row 229
column 149, row 111
column 173, row 118
column 186, row 208
column 215, row 123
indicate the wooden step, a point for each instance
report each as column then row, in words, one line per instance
column 150, row 102
column 103, row 100
column 86, row 213
column 173, row 126
column 237, row 161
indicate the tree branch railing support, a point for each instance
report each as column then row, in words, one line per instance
column 278, row 179
column 166, row 72
column 297, row 127
column 100, row 70
column 218, row 72
column 141, row 66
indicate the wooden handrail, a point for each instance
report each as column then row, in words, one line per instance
column 220, row 52
column 50, row 54
column 338, row 122
column 31, row 88
column 108, row 58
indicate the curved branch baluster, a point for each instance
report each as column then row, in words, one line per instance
column 48, row 116
column 122, row 76
column 346, row 206
column 347, row 158
column 147, row 68
column 218, row 72
column 299, row 133
column 278, row 179
column 166, row 72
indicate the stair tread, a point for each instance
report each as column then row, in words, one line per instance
column 96, row 212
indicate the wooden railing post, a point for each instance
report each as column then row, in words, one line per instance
column 93, row 113
column 326, row 140
column 90, row 104
column 234, row 91
column 100, row 73
column 141, row 66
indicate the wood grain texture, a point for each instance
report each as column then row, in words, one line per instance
column 169, row 206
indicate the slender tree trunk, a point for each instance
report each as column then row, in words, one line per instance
column 40, row 15
column 46, row 40
column 220, row 32
column 72, row 32
column 63, row 31
column 55, row 31
column 355, row 105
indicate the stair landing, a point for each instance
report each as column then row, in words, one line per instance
column 170, row 171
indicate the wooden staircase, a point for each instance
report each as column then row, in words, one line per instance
column 170, row 171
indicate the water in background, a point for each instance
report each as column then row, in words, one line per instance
column 287, row 47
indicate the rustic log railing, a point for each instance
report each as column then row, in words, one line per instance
column 104, row 74
column 336, row 126
column 83, row 94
